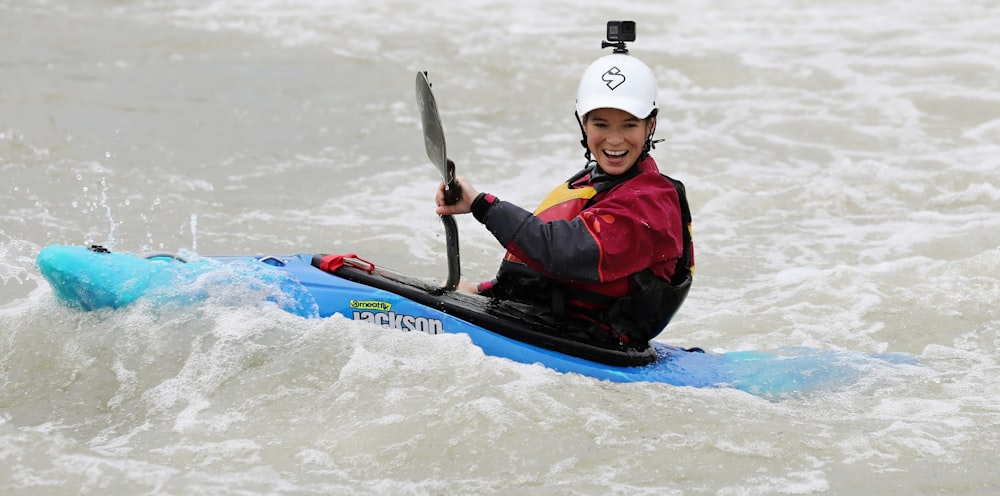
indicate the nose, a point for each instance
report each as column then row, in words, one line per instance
column 615, row 137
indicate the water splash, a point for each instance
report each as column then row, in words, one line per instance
column 112, row 224
column 194, row 233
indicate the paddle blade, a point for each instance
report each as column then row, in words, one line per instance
column 434, row 139
column 433, row 133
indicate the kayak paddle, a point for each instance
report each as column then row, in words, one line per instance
column 434, row 143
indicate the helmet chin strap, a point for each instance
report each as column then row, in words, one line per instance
column 583, row 141
column 650, row 142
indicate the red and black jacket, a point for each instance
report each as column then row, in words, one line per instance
column 600, row 248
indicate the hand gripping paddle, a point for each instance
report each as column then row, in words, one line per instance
column 434, row 142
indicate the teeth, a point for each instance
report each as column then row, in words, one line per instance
column 620, row 153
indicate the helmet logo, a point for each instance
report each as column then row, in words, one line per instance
column 613, row 78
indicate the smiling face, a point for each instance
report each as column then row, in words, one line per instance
column 616, row 138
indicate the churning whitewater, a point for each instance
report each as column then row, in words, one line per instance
column 840, row 160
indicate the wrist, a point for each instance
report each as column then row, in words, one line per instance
column 481, row 205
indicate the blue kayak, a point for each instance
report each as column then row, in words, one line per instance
column 318, row 286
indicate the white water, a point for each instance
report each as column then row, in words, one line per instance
column 841, row 163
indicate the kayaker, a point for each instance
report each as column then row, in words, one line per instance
column 608, row 252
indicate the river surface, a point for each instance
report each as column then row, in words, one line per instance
column 841, row 159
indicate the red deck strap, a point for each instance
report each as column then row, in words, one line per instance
column 331, row 263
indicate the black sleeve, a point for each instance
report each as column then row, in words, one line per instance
column 561, row 249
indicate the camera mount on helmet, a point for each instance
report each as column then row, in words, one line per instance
column 619, row 32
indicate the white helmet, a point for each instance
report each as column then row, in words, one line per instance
column 617, row 81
